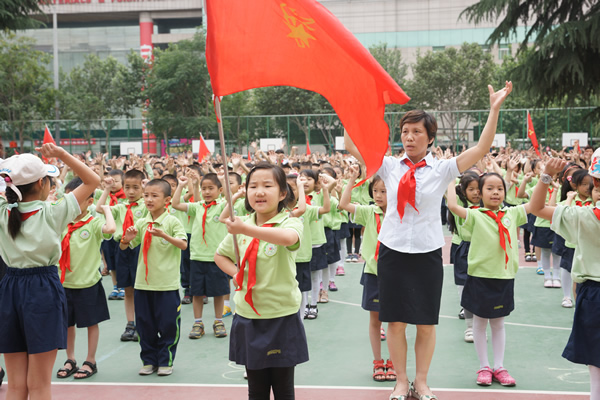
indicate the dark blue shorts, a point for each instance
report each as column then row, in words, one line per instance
column 583, row 346
column 33, row 311
column 488, row 298
column 206, row 279
column 370, row 294
column 110, row 248
column 185, row 266
column 303, row 276
column 268, row 343
column 319, row 258
column 453, row 248
column 566, row 261
column 332, row 247
column 2, row 268
column 127, row 261
column 461, row 263
column 87, row 307
column 344, row 231
column 542, row 237
column 558, row 245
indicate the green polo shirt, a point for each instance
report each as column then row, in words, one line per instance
column 461, row 235
column 182, row 216
column 580, row 225
column 276, row 292
column 38, row 242
column 304, row 253
column 486, row 257
column 85, row 253
column 574, row 204
column 365, row 216
column 163, row 258
column 511, row 195
column 317, row 227
column 329, row 219
column 120, row 210
column 239, row 208
column 214, row 234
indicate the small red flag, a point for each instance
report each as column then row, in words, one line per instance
column 531, row 134
column 249, row 156
column 203, row 151
column 47, row 139
column 307, row 148
column 300, row 43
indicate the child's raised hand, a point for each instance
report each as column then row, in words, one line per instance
column 50, row 150
column 130, row 234
column 241, row 192
column 109, row 183
column 527, row 177
column 513, row 162
column 156, row 232
column 235, row 227
column 554, row 166
column 300, row 181
column 183, row 180
column 104, row 208
column 571, row 195
column 354, row 171
column 497, row 98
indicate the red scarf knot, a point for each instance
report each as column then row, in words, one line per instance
column 25, row 215
column 501, row 231
column 597, row 213
column 583, row 204
column 308, row 198
column 128, row 220
column 147, row 243
column 114, row 197
column 378, row 221
column 206, row 207
column 250, row 257
column 408, row 186
column 65, row 248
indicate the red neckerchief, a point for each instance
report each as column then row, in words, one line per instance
column 147, row 243
column 115, row 196
column 308, row 199
column 597, row 213
column 501, row 231
column 191, row 200
column 408, row 186
column 167, row 206
column 65, row 248
column 250, row 256
column 25, row 215
column 583, row 204
column 359, row 183
column 206, row 207
column 378, row 221
column 128, row 220
column 550, row 190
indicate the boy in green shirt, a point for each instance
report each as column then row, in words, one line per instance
column 157, row 301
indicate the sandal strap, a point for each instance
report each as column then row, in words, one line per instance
column 377, row 364
column 389, row 364
column 73, row 363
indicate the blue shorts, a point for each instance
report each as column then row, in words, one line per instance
column 206, row 279
column 370, row 295
column 33, row 311
column 2, row 268
column 566, row 261
column 185, row 266
column 303, row 276
column 109, row 249
column 461, row 263
column 87, row 307
column 127, row 261
column 558, row 245
column 332, row 247
column 319, row 258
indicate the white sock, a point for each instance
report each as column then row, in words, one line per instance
column 332, row 268
column 227, row 303
column 545, row 263
column 469, row 322
column 556, row 266
column 480, row 340
column 567, row 283
column 343, row 252
column 498, row 341
column 314, row 291
column 303, row 303
column 460, row 289
column 594, row 382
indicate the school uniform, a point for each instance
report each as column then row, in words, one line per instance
column 489, row 288
column 410, row 267
column 110, row 248
column 304, row 253
column 461, row 263
column 542, row 236
column 156, row 295
column 332, row 245
column 269, row 332
column 318, row 260
column 358, row 195
column 371, row 217
column 187, row 222
column 86, row 300
column 33, row 308
column 126, row 260
column 581, row 225
column 206, row 279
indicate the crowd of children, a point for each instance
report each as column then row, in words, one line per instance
column 167, row 238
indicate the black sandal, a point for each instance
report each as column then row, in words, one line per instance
column 69, row 372
column 2, row 373
column 85, row 372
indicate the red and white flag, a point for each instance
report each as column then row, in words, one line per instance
column 203, row 150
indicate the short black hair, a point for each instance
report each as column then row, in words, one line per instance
column 134, row 174
column 211, row 177
column 74, row 184
column 170, row 177
column 114, row 172
column 164, row 186
column 237, row 176
column 375, row 179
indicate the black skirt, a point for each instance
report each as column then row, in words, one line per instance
column 370, row 296
column 542, row 237
column 583, row 346
column 344, row 231
column 487, row 297
column 566, row 261
column 268, row 343
column 558, row 245
column 461, row 263
column 453, row 253
column 410, row 286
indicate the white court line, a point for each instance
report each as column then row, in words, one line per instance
column 560, row 328
column 202, row 385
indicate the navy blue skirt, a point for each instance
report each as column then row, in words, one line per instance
column 558, row 245
column 488, row 298
column 87, row 307
column 461, row 263
column 332, row 247
column 2, row 268
column 344, row 231
column 453, row 253
column 370, row 294
column 542, row 237
column 268, row 343
column 303, row 276
column 566, row 262
column 530, row 221
column 583, row 346
column 319, row 258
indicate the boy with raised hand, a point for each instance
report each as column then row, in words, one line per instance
column 157, row 301
column 125, row 215
column 86, row 300
column 205, row 277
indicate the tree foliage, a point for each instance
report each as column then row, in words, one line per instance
column 16, row 14
column 560, row 54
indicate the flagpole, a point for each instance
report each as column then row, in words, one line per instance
column 225, row 168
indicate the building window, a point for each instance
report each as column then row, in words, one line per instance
column 437, row 49
column 503, row 51
column 485, row 48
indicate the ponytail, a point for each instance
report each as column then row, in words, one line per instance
column 14, row 219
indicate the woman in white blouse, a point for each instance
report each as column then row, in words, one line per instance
column 410, row 268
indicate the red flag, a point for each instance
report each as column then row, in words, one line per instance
column 307, row 148
column 249, row 156
column 203, row 151
column 47, row 139
column 531, row 134
column 300, row 43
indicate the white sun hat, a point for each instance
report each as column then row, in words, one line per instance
column 23, row 169
column 595, row 164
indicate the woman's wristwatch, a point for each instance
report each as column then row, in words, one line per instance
column 546, row 179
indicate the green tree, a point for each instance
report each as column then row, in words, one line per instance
column 98, row 92
column 233, row 108
column 26, row 91
column 450, row 80
column 560, row 53
column 16, row 14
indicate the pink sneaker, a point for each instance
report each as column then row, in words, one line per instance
column 332, row 287
column 340, row 271
column 501, row 375
column 484, row 376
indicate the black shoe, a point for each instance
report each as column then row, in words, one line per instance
column 130, row 334
column 461, row 314
column 2, row 373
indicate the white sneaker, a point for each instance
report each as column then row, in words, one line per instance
column 148, row 370
column 556, row 283
column 547, row 283
column 567, row 303
column 164, row 371
column 469, row 335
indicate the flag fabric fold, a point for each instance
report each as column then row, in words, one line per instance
column 203, row 150
column 307, row 148
column 300, row 43
column 47, row 139
column 531, row 134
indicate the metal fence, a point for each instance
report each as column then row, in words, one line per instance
column 455, row 128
